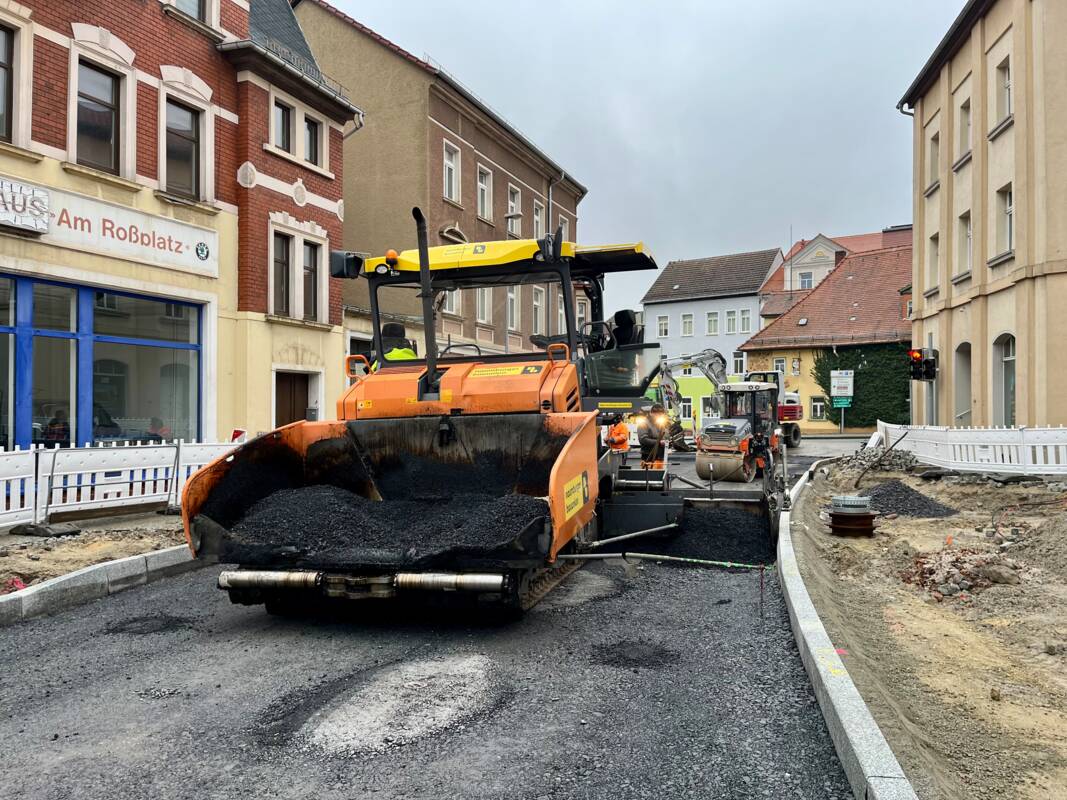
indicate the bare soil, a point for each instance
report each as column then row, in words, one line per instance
column 30, row 560
column 969, row 687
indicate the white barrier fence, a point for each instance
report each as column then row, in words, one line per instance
column 1019, row 451
column 40, row 482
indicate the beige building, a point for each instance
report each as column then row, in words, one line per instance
column 990, row 199
column 428, row 141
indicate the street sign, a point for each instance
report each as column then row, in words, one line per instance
column 841, row 402
column 841, row 383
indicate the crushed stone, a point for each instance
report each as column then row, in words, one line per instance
column 894, row 497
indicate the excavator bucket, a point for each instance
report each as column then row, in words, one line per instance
column 411, row 494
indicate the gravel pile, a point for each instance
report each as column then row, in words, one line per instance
column 894, row 461
column 715, row 534
column 949, row 573
column 325, row 524
column 894, row 497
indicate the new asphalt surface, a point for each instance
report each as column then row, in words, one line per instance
column 646, row 681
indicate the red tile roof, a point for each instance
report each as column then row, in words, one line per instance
column 897, row 236
column 857, row 303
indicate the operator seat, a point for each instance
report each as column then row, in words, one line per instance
column 394, row 337
column 627, row 331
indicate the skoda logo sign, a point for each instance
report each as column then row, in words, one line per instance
column 202, row 251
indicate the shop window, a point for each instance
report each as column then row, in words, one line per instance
column 54, row 404
column 54, row 307
column 98, row 118
column 282, row 258
column 143, row 318
column 144, row 392
column 183, row 150
column 311, row 281
column 7, row 302
column 7, row 387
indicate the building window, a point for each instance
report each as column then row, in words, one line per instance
column 283, row 246
column 807, row 280
column 687, row 371
column 934, row 158
column 513, row 308
column 183, row 150
column 538, row 326
column 1004, row 101
column 7, row 77
column 583, row 314
column 484, row 304
column 1004, row 378
column 194, row 8
column 450, row 303
column 514, row 211
column 687, row 408
column 910, row 309
column 451, row 173
column 713, row 323
column 933, row 256
column 779, row 365
column 312, row 141
column 662, row 327
column 818, row 408
column 1005, row 220
column 283, row 126
column 739, row 362
column 731, row 322
column 538, row 220
column 965, row 127
column 965, row 246
column 687, row 324
column 485, row 193
column 311, row 281
column 98, row 118
column 565, row 228
column 561, row 314
column 746, row 320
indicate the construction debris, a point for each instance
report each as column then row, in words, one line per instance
column 894, row 497
column 893, row 461
column 951, row 572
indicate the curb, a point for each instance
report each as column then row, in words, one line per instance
column 92, row 583
column 869, row 763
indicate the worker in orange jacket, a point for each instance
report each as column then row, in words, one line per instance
column 618, row 438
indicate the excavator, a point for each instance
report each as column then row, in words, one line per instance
column 448, row 431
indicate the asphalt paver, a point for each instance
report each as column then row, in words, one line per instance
column 653, row 681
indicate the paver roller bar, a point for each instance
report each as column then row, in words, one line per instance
column 307, row 579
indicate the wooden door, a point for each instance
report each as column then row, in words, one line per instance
column 290, row 397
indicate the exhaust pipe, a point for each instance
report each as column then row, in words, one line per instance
column 449, row 581
column 269, row 579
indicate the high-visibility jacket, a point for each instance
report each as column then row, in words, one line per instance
column 619, row 437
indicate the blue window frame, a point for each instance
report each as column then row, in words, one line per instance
column 164, row 398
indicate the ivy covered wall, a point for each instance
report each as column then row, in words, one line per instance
column 881, row 387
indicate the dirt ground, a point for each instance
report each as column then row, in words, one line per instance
column 30, row 560
column 969, row 686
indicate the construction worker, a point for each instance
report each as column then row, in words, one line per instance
column 651, row 437
column 618, row 438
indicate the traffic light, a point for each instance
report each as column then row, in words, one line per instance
column 915, row 361
column 929, row 365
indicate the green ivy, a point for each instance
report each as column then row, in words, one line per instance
column 882, row 374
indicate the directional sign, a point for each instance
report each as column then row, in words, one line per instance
column 841, row 383
column 841, row 402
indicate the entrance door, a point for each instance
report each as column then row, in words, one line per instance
column 290, row 397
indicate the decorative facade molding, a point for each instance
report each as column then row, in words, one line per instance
column 104, row 40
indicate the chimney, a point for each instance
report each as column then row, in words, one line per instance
column 839, row 256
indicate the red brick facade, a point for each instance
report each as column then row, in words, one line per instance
column 158, row 39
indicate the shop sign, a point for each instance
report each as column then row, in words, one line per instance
column 23, row 207
column 83, row 223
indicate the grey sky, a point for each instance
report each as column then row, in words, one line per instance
column 699, row 127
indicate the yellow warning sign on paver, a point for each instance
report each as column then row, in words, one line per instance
column 505, row 371
column 614, row 405
column 575, row 494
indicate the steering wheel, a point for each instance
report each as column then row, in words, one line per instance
column 477, row 349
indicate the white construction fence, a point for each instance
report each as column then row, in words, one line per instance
column 41, row 482
column 1018, row 451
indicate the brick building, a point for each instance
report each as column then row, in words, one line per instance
column 430, row 142
column 170, row 187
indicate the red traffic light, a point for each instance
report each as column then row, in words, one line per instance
column 915, row 355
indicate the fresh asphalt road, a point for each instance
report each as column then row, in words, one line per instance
column 810, row 451
column 647, row 682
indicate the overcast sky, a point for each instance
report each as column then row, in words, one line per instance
column 700, row 127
